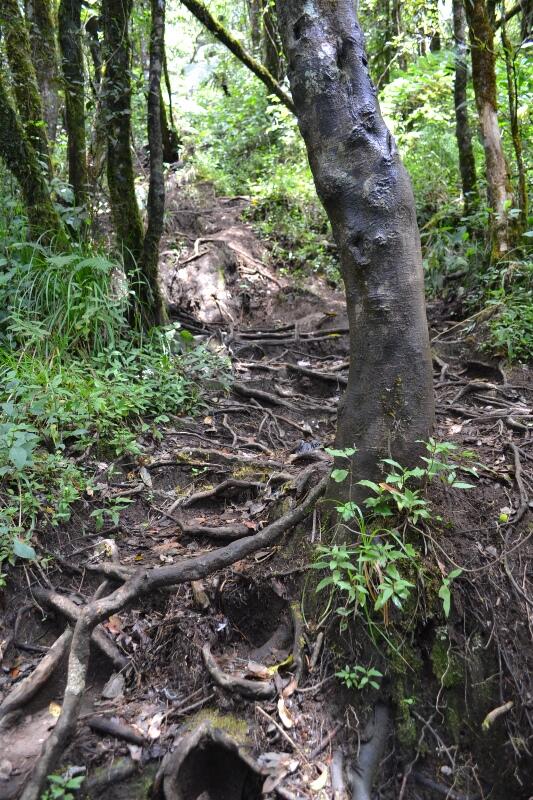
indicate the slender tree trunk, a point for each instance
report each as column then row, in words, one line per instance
column 25, row 87
column 74, row 78
column 512, row 92
column 271, row 43
column 120, row 175
column 171, row 141
column 484, row 80
column 526, row 22
column 45, row 60
column 22, row 160
column 151, row 299
column 92, row 27
column 254, row 15
column 388, row 403
column 397, row 29
column 467, row 163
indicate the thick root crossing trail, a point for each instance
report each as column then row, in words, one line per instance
column 180, row 653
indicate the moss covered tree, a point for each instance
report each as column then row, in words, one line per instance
column 467, row 164
column 69, row 18
column 146, row 306
column 39, row 15
column 25, row 87
column 484, row 80
column 22, row 160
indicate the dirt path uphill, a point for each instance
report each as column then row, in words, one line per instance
column 205, row 680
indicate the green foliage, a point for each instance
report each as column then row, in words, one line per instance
column 418, row 107
column 358, row 677
column 52, row 408
column 376, row 570
column 61, row 786
column 248, row 143
column 60, row 301
column 506, row 287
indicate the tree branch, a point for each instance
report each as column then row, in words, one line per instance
column 203, row 15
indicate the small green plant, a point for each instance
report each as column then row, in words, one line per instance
column 61, row 786
column 445, row 590
column 376, row 571
column 358, row 677
column 111, row 512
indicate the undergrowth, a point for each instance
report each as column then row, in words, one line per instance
column 375, row 572
column 73, row 377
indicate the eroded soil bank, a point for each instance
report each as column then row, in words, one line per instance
column 224, row 687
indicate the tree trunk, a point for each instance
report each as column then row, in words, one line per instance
column 388, row 403
column 45, row 60
column 254, row 15
column 467, row 164
column 484, row 80
column 92, row 27
column 25, row 87
column 526, row 22
column 120, row 175
column 73, row 74
column 171, row 140
column 153, row 312
column 512, row 92
column 22, row 160
column 271, row 43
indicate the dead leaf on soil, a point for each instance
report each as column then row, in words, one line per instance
column 284, row 714
column 54, row 709
column 319, row 783
column 154, row 729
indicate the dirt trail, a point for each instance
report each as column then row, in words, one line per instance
column 232, row 652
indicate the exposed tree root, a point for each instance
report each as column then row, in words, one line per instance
column 69, row 609
column 370, row 754
column 252, row 690
column 141, row 583
column 28, row 687
column 328, row 377
column 269, row 397
column 118, row 730
column 230, row 483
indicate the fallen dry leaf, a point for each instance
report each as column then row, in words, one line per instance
column 284, row 714
column 54, row 709
column 322, row 779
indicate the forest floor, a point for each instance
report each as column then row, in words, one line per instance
column 232, row 651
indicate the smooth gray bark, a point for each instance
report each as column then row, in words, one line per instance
column 388, row 404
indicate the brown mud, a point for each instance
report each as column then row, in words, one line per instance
column 226, row 690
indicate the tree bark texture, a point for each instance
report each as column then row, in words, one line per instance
column 92, row 28
column 203, row 15
column 25, row 87
column 484, row 80
column 120, row 175
column 151, row 299
column 271, row 42
column 388, row 404
column 69, row 19
column 467, row 163
column 45, row 59
column 22, row 160
column 512, row 93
